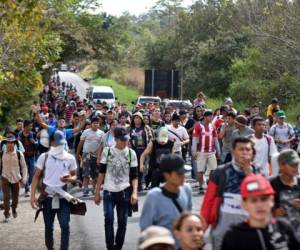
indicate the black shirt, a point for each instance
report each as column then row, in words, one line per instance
column 284, row 198
column 276, row 236
column 158, row 151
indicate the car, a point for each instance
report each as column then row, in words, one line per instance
column 178, row 104
column 147, row 99
column 103, row 94
column 63, row 67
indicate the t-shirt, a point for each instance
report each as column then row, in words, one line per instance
column 118, row 163
column 282, row 133
column 56, row 168
column 108, row 140
column 92, row 140
column 206, row 135
column 284, row 198
column 227, row 137
column 181, row 133
column 138, row 139
column 263, row 153
column 246, row 132
column 160, row 210
column 156, row 124
column 158, row 151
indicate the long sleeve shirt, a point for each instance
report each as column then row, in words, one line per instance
column 11, row 167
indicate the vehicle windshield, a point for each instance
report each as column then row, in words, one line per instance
column 101, row 95
column 179, row 104
column 147, row 100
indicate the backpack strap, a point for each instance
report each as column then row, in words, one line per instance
column 19, row 161
column 129, row 156
column 269, row 140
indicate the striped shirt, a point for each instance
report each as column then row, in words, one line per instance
column 207, row 135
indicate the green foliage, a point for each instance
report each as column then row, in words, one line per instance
column 26, row 45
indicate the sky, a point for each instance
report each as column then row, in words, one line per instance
column 135, row 7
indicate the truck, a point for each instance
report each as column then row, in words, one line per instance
column 162, row 83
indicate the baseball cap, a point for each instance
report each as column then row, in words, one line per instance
column 275, row 100
column 280, row 114
column 208, row 112
column 289, row 156
column 256, row 185
column 155, row 235
column 59, row 137
column 173, row 163
column 121, row 133
column 162, row 135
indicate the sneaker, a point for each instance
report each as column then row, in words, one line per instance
column 85, row 193
column 6, row 220
column 14, row 213
column 27, row 194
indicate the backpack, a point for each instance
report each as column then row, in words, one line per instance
column 19, row 160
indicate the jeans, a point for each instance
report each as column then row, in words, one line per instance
column 9, row 190
column 30, row 167
column 120, row 200
column 63, row 215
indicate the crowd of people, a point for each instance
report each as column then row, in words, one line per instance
column 245, row 164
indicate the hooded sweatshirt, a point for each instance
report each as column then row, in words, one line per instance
column 278, row 235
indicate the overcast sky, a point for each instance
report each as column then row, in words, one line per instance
column 135, row 7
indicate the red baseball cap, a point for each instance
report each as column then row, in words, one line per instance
column 256, row 185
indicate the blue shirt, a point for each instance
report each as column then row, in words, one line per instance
column 160, row 210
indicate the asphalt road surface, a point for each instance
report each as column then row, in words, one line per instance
column 76, row 80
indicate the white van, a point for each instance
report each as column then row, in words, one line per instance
column 103, row 94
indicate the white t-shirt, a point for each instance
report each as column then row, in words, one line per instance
column 44, row 138
column 92, row 140
column 181, row 132
column 262, row 153
column 56, row 168
column 118, row 163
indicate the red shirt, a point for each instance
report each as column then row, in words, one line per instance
column 207, row 135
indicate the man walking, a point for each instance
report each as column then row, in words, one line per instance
column 13, row 171
column 265, row 147
column 118, row 173
column 282, row 132
column 27, row 139
column 58, row 168
column 90, row 140
column 205, row 146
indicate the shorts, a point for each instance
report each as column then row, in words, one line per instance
column 206, row 161
column 89, row 166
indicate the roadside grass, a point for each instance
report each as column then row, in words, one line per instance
column 124, row 93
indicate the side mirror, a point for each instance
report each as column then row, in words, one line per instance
column 116, row 98
column 133, row 102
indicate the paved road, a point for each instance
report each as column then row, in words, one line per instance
column 87, row 233
column 76, row 80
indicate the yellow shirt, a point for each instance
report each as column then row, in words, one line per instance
column 271, row 108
